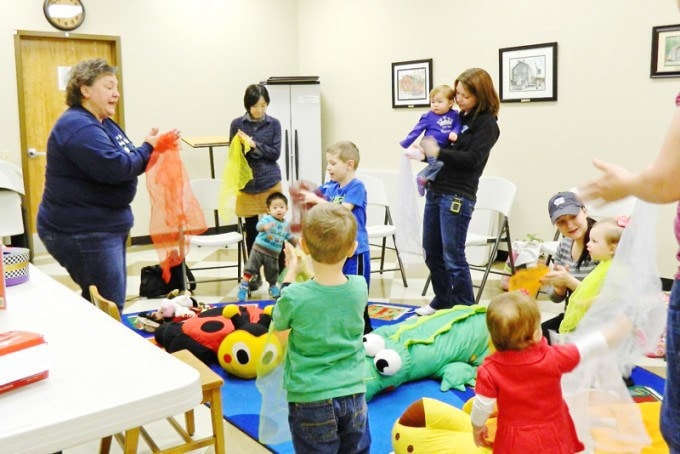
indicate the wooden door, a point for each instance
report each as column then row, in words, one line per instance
column 42, row 60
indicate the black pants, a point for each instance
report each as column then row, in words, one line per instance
column 551, row 325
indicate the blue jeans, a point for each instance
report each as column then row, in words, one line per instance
column 670, row 408
column 444, row 233
column 337, row 425
column 92, row 258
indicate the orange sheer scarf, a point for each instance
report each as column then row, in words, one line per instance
column 175, row 212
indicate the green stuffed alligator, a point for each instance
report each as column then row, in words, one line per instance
column 448, row 345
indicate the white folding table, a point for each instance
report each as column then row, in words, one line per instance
column 103, row 378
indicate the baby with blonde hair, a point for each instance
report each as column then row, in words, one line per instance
column 604, row 238
column 441, row 122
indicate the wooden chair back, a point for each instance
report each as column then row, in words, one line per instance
column 103, row 304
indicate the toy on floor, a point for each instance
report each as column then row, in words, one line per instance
column 240, row 350
column 176, row 306
column 448, row 345
column 204, row 334
column 429, row 425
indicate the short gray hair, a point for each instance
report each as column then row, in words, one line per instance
column 85, row 73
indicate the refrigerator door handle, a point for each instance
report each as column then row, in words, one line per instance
column 289, row 177
column 296, row 151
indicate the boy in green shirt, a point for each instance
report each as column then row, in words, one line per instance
column 324, row 363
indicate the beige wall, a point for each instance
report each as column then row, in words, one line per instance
column 607, row 105
column 186, row 64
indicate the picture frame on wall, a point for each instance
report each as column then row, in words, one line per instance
column 665, row 51
column 411, row 83
column 528, row 73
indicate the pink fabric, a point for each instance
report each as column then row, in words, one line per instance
column 532, row 415
column 299, row 207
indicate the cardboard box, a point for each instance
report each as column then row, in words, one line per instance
column 24, row 359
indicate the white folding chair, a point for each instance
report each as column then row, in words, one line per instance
column 377, row 198
column 495, row 196
column 11, row 221
column 11, row 192
column 207, row 192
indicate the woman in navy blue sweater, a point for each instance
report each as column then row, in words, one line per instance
column 84, row 218
column 263, row 133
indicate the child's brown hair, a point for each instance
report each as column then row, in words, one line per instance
column 329, row 231
column 512, row 320
column 345, row 151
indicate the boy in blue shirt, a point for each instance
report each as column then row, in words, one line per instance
column 347, row 190
column 323, row 369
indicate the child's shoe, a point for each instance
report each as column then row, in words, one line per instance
column 274, row 291
column 422, row 183
column 242, row 291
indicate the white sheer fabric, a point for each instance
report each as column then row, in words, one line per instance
column 605, row 415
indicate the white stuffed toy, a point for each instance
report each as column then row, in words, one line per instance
column 176, row 305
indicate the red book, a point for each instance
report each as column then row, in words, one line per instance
column 24, row 359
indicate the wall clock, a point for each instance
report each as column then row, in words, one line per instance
column 65, row 15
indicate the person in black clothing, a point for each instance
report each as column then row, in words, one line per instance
column 450, row 199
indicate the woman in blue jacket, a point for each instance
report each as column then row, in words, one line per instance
column 85, row 217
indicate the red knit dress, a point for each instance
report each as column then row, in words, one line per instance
column 532, row 415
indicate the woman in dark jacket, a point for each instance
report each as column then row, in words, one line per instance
column 451, row 197
column 263, row 133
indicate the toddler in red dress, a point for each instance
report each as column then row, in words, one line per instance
column 523, row 379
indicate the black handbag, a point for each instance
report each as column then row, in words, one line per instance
column 152, row 284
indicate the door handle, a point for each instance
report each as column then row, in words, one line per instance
column 33, row 153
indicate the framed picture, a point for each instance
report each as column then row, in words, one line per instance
column 528, row 73
column 665, row 51
column 411, row 83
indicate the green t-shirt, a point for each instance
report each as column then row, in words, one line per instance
column 325, row 355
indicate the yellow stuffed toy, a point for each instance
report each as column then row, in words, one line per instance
column 429, row 425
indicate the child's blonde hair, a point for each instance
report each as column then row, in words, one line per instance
column 345, row 151
column 512, row 319
column 612, row 229
column 448, row 92
column 329, row 231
